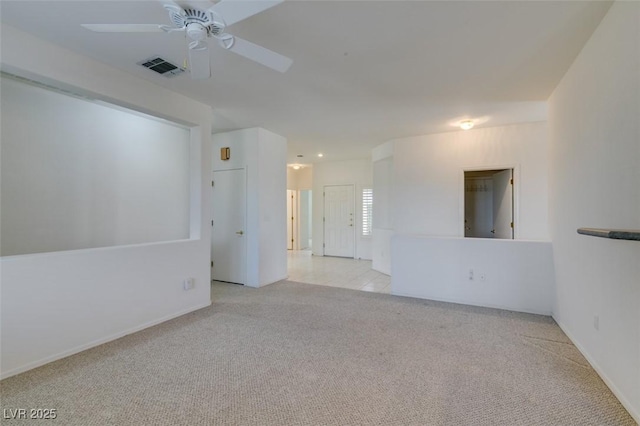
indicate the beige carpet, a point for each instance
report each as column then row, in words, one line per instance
column 299, row 354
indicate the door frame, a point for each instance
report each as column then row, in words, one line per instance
column 293, row 221
column 516, row 194
column 356, row 221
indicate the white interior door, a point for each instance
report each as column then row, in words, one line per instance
column 339, row 221
column 228, row 242
column 503, row 204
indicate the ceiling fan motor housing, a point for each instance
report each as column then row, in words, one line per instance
column 198, row 23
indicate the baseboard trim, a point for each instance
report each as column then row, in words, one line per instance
column 624, row 401
column 93, row 344
column 464, row 302
column 284, row 277
column 387, row 273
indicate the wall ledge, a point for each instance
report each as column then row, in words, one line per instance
column 614, row 234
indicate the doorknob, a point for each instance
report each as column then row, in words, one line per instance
column 240, row 233
column 493, row 231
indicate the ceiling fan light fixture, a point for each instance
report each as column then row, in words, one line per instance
column 467, row 124
column 196, row 31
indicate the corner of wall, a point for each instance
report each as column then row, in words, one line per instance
column 593, row 176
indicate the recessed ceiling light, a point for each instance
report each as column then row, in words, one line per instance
column 466, row 124
column 296, row 167
column 321, row 155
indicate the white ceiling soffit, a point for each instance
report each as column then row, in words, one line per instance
column 364, row 72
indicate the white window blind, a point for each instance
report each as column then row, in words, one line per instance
column 367, row 211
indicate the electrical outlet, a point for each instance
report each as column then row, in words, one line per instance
column 470, row 274
column 596, row 322
column 187, row 284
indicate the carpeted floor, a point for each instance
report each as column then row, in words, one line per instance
column 299, row 354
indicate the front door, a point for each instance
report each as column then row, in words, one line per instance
column 228, row 242
column 339, row 221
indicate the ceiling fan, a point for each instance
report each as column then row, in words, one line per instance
column 199, row 25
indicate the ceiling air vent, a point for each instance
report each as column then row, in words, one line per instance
column 161, row 66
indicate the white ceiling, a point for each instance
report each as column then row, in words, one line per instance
column 364, row 72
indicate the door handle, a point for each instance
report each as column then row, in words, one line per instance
column 240, row 233
column 493, row 231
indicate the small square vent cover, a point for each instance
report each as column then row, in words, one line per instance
column 161, row 66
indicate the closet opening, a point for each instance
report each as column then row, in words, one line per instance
column 488, row 204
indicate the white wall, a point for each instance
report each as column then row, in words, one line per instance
column 263, row 155
column 428, row 184
column 424, row 177
column 383, row 227
column 272, row 155
column 305, row 219
column 507, row 274
column 56, row 304
column 77, row 174
column 300, row 179
column 350, row 172
column 594, row 182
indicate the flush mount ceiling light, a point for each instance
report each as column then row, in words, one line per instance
column 320, row 155
column 466, row 124
column 296, row 166
column 468, row 121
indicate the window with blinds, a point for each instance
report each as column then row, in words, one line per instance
column 367, row 211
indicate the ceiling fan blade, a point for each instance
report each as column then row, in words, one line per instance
column 199, row 61
column 124, row 28
column 233, row 11
column 260, row 54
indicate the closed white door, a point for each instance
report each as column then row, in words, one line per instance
column 339, row 221
column 503, row 204
column 228, row 241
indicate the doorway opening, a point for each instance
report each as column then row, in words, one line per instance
column 299, row 219
column 488, row 204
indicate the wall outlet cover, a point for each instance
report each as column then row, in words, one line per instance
column 188, row 284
